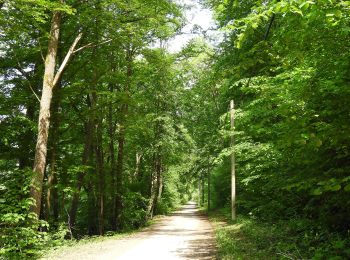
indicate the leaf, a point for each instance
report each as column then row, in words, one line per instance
column 335, row 187
column 347, row 188
column 316, row 192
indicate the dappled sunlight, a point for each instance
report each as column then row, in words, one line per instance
column 185, row 234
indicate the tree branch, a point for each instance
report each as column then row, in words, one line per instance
column 66, row 59
column 24, row 74
column 90, row 45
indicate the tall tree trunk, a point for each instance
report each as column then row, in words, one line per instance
column 203, row 193
column 100, row 171
column 51, row 195
column 153, row 191
column 156, row 181
column 209, row 192
column 119, row 176
column 121, row 142
column 111, row 133
column 233, row 169
column 88, row 132
column 44, row 115
column 92, row 227
column 80, row 179
column 159, row 188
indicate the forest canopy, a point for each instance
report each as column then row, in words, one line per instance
column 101, row 127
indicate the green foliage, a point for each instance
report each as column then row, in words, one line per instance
column 285, row 65
column 135, row 210
column 249, row 238
column 19, row 229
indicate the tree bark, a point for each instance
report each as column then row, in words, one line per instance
column 208, row 189
column 233, row 171
column 100, row 170
column 153, row 193
column 159, row 182
column 85, row 158
column 44, row 115
column 119, row 176
column 52, row 195
column 111, row 133
column 92, row 225
column 49, row 82
column 121, row 142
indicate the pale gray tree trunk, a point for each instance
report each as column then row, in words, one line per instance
column 233, row 172
column 44, row 115
column 50, row 80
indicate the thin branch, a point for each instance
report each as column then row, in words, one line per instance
column 24, row 74
column 269, row 27
column 85, row 46
column 41, row 52
column 90, row 45
column 66, row 59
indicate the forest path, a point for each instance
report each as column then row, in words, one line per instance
column 185, row 234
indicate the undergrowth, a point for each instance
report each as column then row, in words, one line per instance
column 249, row 238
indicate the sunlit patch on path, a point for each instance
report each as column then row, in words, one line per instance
column 185, row 234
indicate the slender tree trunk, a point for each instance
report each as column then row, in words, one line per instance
column 88, row 129
column 121, row 142
column 159, row 182
column 119, row 176
column 92, row 227
column 203, row 190
column 208, row 189
column 100, row 171
column 44, row 115
column 111, row 133
column 199, row 190
column 153, row 191
column 233, row 172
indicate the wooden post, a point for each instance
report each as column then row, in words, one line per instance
column 203, row 189
column 208, row 189
column 199, row 190
column 233, row 173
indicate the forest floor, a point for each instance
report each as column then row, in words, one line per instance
column 185, row 234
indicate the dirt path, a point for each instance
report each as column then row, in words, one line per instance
column 183, row 235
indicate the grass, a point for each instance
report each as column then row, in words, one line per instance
column 247, row 238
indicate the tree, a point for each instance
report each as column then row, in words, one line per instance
column 49, row 82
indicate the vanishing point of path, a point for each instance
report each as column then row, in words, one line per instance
column 185, row 234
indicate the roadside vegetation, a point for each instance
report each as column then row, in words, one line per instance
column 251, row 238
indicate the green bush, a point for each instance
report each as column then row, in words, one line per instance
column 134, row 211
column 19, row 233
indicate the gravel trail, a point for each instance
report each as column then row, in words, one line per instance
column 185, row 234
